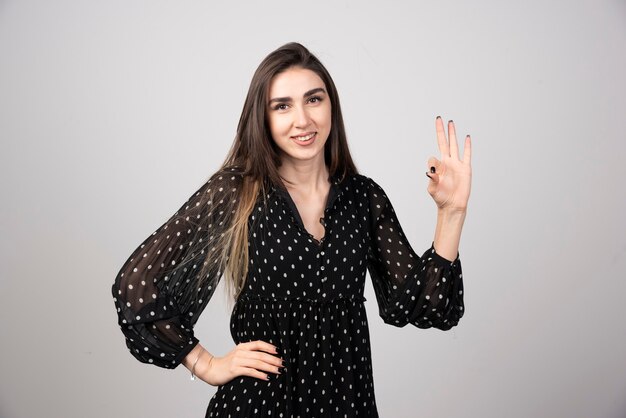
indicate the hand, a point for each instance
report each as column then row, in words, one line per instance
column 246, row 359
column 450, row 184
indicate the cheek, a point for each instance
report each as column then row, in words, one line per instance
column 321, row 115
column 327, row 114
column 277, row 126
column 327, row 118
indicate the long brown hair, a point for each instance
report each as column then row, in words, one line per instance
column 252, row 165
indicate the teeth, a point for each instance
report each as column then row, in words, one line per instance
column 304, row 138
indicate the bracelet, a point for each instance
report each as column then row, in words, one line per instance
column 193, row 368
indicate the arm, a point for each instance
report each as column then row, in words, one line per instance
column 155, row 291
column 158, row 301
column 448, row 232
column 424, row 291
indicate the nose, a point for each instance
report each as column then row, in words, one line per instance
column 302, row 117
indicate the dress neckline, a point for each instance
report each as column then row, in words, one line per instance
column 334, row 192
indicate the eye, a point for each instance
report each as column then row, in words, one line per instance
column 315, row 99
column 280, row 106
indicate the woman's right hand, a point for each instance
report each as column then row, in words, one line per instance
column 255, row 358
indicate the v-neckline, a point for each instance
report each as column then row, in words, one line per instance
column 330, row 198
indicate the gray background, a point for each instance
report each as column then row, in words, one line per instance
column 112, row 113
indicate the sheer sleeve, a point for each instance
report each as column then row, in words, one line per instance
column 156, row 292
column 424, row 291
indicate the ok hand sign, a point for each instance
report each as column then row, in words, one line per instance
column 450, row 178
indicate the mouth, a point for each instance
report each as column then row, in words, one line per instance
column 305, row 139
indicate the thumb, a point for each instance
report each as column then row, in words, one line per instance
column 434, row 177
column 433, row 169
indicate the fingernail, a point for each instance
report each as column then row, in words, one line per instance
column 438, row 117
column 450, row 121
column 281, row 369
column 428, row 176
column 269, row 377
column 432, row 169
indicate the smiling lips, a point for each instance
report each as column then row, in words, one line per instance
column 304, row 137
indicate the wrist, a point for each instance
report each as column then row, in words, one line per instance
column 448, row 233
column 199, row 362
column 451, row 213
column 195, row 363
column 450, row 219
column 205, row 366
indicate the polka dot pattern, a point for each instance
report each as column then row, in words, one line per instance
column 303, row 295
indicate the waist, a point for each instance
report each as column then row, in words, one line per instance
column 250, row 297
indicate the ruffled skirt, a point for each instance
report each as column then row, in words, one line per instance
column 326, row 348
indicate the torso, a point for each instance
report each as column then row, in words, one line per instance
column 306, row 298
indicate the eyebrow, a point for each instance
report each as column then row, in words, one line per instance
column 288, row 99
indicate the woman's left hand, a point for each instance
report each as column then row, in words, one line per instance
column 450, row 183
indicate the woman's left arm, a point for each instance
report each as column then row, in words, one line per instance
column 425, row 291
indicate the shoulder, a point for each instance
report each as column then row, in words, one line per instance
column 221, row 187
column 370, row 194
column 371, row 187
column 226, row 180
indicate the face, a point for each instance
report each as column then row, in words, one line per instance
column 299, row 114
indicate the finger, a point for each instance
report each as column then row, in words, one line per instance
column 441, row 137
column 454, row 146
column 247, row 371
column 434, row 178
column 467, row 150
column 259, row 365
column 259, row 355
column 434, row 169
column 260, row 345
column 434, row 162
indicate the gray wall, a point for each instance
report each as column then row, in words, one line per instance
column 113, row 112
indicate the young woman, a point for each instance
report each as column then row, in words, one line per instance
column 293, row 227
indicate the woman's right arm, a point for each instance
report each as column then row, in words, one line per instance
column 158, row 302
column 156, row 293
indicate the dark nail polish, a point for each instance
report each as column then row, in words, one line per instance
column 281, row 369
column 432, row 169
column 450, row 121
column 269, row 377
column 438, row 117
column 428, row 176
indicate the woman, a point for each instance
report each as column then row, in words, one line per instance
column 294, row 228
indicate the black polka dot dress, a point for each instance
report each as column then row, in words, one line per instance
column 303, row 295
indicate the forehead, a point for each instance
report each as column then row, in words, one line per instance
column 294, row 82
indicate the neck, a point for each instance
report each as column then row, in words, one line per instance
column 307, row 177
